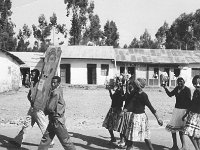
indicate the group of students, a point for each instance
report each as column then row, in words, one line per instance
column 131, row 121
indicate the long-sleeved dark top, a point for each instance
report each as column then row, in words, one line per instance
column 127, row 98
column 138, row 102
column 195, row 104
column 183, row 98
column 117, row 99
column 56, row 106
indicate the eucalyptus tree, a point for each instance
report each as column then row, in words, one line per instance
column 80, row 10
column 111, row 34
column 93, row 32
column 23, row 38
column 161, row 35
column 7, row 39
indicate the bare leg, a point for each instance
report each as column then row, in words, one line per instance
column 175, row 146
column 121, row 137
column 112, row 136
column 122, row 143
column 182, row 137
column 194, row 142
column 149, row 145
column 198, row 142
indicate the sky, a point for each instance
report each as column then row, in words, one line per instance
column 132, row 17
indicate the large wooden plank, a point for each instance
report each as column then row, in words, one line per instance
column 51, row 62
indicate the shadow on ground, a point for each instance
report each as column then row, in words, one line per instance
column 4, row 142
column 92, row 142
column 142, row 146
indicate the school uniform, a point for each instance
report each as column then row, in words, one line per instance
column 112, row 116
column 138, row 125
column 122, row 124
column 55, row 110
column 183, row 101
column 192, row 127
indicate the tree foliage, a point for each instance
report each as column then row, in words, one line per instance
column 7, row 39
column 111, row 34
column 145, row 40
column 57, row 28
column 43, row 31
column 135, row 43
column 23, row 37
column 81, row 10
column 93, row 32
column 161, row 35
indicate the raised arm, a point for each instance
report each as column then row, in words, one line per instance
column 172, row 93
column 110, row 92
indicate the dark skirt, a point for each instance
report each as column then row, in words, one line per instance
column 112, row 118
column 122, row 123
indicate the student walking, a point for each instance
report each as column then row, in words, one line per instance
column 122, row 124
column 33, row 115
column 192, row 127
column 55, row 110
column 112, row 116
column 183, row 101
column 138, row 125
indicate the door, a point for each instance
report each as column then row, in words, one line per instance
column 91, row 73
column 65, row 73
column 131, row 71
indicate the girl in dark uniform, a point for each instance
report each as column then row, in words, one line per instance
column 112, row 116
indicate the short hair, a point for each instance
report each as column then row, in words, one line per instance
column 194, row 80
column 180, row 79
column 37, row 72
column 57, row 78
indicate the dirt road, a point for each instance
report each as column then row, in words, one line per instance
column 85, row 112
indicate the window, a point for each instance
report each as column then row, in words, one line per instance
column 122, row 70
column 195, row 71
column 104, row 69
column 155, row 75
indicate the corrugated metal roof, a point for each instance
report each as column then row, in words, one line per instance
column 13, row 56
column 168, row 56
column 89, row 52
column 29, row 58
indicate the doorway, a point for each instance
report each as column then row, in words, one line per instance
column 25, row 75
column 91, row 73
column 65, row 73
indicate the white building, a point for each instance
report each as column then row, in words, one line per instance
column 10, row 75
column 32, row 60
column 97, row 64
column 87, row 64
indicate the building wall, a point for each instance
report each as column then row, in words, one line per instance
column 141, row 71
column 187, row 74
column 79, row 70
column 10, row 76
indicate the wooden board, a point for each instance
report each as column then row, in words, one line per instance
column 51, row 62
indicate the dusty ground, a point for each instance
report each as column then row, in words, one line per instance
column 86, row 109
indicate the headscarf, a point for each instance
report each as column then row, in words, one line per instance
column 140, row 83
